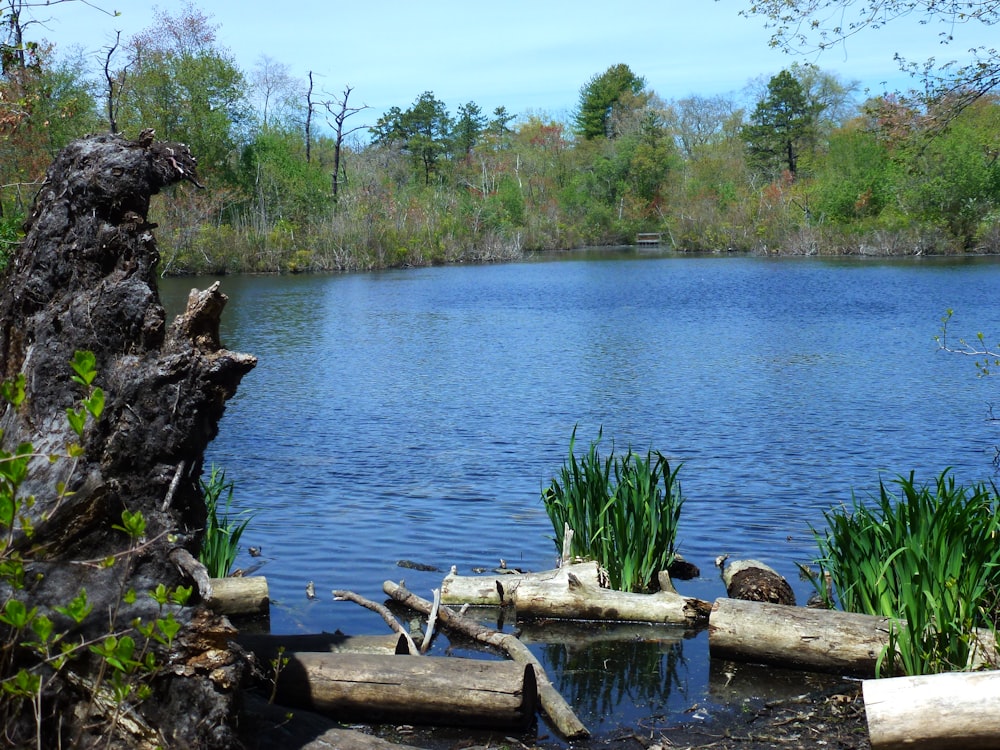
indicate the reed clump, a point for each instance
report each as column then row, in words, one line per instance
column 624, row 512
column 223, row 527
column 928, row 559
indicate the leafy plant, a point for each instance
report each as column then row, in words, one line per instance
column 928, row 560
column 221, row 540
column 623, row 511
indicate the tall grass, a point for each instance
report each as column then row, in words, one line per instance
column 929, row 559
column 223, row 529
column 623, row 511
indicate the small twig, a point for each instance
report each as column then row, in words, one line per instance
column 342, row 595
column 174, row 484
column 431, row 620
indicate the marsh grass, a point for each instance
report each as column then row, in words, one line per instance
column 223, row 528
column 623, row 511
column 928, row 559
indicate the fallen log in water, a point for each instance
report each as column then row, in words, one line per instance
column 266, row 646
column 573, row 592
column 498, row 589
column 239, row 596
column 941, row 711
column 410, row 689
column 559, row 712
column 822, row 640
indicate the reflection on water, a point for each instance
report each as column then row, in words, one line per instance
column 417, row 414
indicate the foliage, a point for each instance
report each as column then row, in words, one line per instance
column 782, row 126
column 39, row 649
column 927, row 559
column 221, row 540
column 624, row 513
column 617, row 86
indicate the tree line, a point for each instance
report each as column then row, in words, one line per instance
column 305, row 180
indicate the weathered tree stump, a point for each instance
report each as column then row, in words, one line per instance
column 85, row 279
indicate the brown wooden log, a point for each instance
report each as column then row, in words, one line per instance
column 485, row 589
column 266, row 646
column 558, row 711
column 755, row 581
column 411, row 689
column 822, row 640
column 941, row 711
column 567, row 597
column 239, row 596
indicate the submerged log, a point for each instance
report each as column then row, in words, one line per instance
column 411, row 689
column 559, row 712
column 239, row 596
column 84, row 278
column 941, row 711
column 797, row 637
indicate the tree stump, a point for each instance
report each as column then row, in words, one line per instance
column 85, row 279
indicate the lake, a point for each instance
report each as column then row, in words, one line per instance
column 417, row 414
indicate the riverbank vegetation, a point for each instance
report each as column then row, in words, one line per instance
column 301, row 179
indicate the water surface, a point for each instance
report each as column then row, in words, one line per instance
column 416, row 414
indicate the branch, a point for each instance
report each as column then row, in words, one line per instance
column 990, row 357
column 342, row 595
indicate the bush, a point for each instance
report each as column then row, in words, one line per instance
column 930, row 560
column 221, row 541
column 623, row 512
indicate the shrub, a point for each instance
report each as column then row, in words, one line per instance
column 930, row 560
column 623, row 512
column 221, row 541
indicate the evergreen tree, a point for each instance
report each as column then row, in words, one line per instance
column 781, row 126
column 601, row 94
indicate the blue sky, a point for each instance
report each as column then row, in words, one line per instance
column 531, row 57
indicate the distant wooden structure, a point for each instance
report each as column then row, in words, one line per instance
column 648, row 238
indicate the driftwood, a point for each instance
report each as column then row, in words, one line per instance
column 239, row 596
column 266, row 646
column 84, row 278
column 341, row 594
column 558, row 711
column 486, row 589
column 796, row 637
column 574, row 592
column 941, row 711
column 411, row 689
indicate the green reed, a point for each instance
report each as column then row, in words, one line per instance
column 929, row 560
column 624, row 512
column 223, row 530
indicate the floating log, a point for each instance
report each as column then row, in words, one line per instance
column 266, row 646
column 752, row 580
column 239, row 596
column 411, row 689
column 822, row 640
column 941, row 711
column 561, row 715
column 486, row 590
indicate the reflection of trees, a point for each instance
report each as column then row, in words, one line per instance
column 600, row 677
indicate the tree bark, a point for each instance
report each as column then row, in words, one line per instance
column 559, row 712
column 411, row 689
column 941, row 711
column 822, row 640
column 485, row 589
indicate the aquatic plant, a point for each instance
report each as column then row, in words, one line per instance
column 623, row 511
column 221, row 540
column 929, row 560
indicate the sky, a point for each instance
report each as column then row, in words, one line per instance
column 530, row 57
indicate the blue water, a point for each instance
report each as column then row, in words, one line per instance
column 417, row 414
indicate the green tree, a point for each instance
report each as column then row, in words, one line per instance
column 423, row 131
column 185, row 87
column 618, row 85
column 782, row 125
column 468, row 129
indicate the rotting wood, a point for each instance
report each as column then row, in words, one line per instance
column 411, row 689
column 941, row 711
column 558, row 711
column 754, row 581
column 245, row 595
